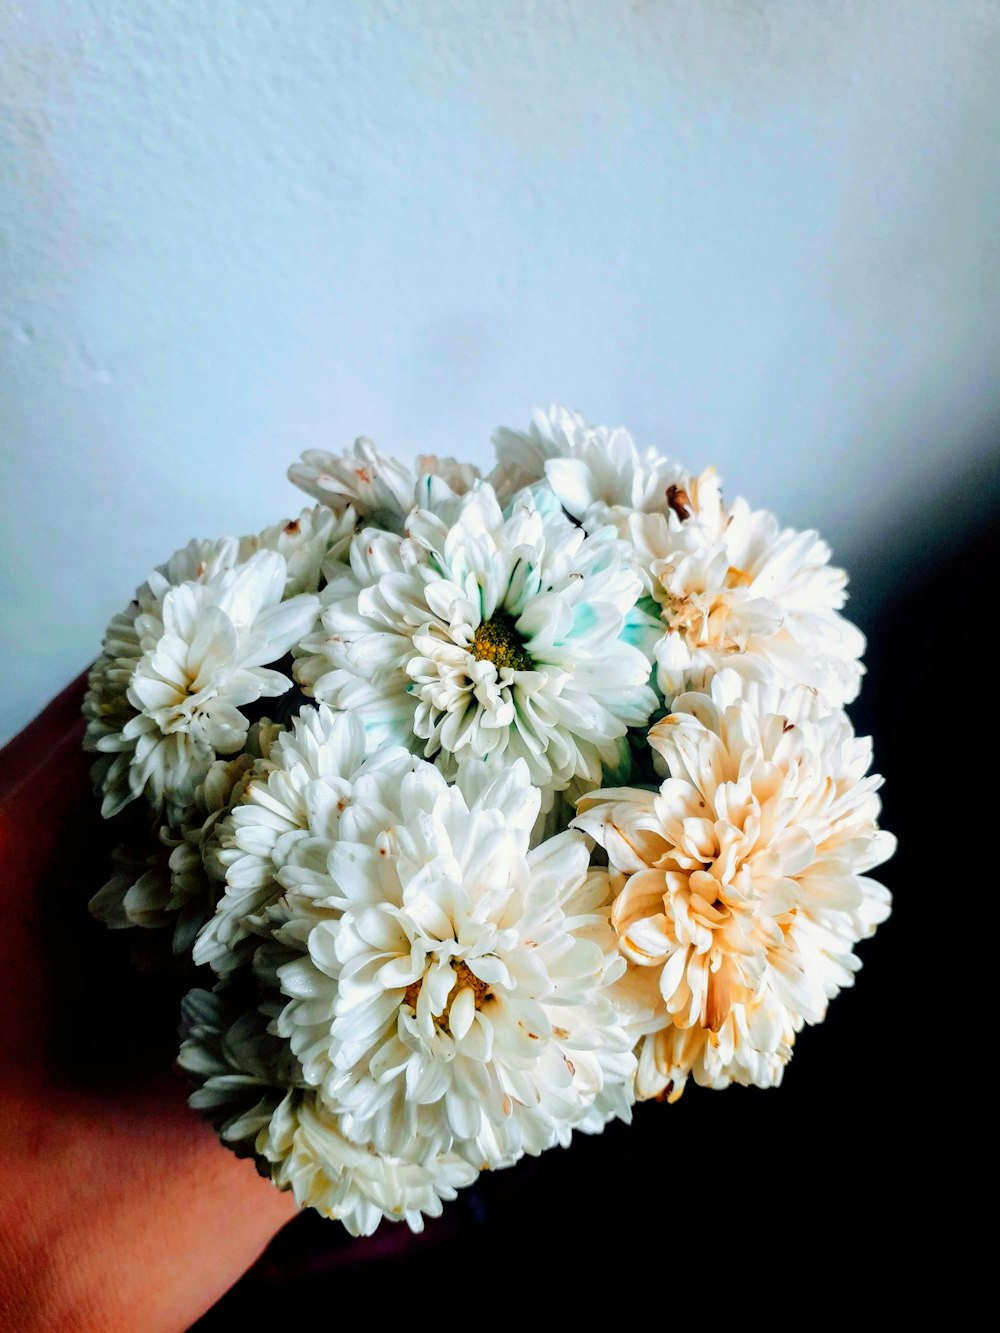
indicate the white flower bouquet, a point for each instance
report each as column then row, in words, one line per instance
column 556, row 807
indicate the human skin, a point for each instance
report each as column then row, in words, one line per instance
column 119, row 1208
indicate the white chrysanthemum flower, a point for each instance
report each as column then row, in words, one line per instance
column 318, row 537
column 735, row 590
column 500, row 637
column 350, row 1182
column 107, row 707
column 139, row 889
column 249, row 1086
column 178, row 665
column 313, row 779
column 380, row 490
column 456, row 991
column 240, row 1069
column 179, row 881
column 743, row 884
column 600, row 476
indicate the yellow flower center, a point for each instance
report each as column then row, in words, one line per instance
column 496, row 640
column 465, row 979
column 704, row 617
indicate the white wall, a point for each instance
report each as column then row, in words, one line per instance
column 764, row 234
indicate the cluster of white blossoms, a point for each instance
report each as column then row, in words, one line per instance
column 500, row 636
column 556, row 807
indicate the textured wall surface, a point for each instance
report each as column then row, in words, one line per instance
column 762, row 233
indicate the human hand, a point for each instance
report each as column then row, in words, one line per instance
column 119, row 1209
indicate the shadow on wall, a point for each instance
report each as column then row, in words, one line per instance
column 827, row 1154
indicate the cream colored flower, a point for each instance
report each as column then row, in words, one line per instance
column 742, row 883
column 734, row 590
